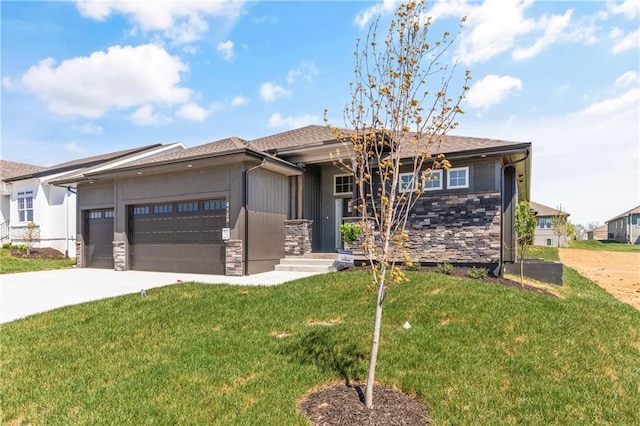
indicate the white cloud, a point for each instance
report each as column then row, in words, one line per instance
column 144, row 116
column 617, row 105
column 628, row 78
column 276, row 120
column 369, row 14
column 180, row 21
column 225, row 48
column 628, row 42
column 629, row 8
column 73, row 148
column 554, row 27
column 491, row 90
column 8, row 83
column 492, row 28
column 122, row 77
column 192, row 112
column 270, row 92
column 306, row 70
column 88, row 128
column 239, row 100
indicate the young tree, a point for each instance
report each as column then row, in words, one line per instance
column 560, row 224
column 525, row 230
column 399, row 111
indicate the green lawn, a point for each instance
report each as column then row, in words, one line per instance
column 604, row 245
column 200, row 354
column 10, row 264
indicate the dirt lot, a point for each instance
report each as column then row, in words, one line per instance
column 618, row 273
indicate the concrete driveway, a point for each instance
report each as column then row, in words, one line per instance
column 30, row 293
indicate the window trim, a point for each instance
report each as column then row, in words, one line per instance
column 401, row 187
column 439, row 179
column 547, row 221
column 456, row 169
column 335, row 184
column 24, row 196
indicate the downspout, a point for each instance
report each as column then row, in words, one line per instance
column 245, row 202
column 66, row 234
column 504, row 166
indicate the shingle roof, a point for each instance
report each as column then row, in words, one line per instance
column 225, row 145
column 9, row 169
column 542, row 210
column 83, row 162
column 635, row 210
column 319, row 135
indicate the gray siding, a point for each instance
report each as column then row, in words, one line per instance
column 312, row 203
column 268, row 200
column 509, row 204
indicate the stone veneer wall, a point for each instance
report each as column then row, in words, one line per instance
column 456, row 228
column 297, row 237
column 79, row 254
column 119, row 255
column 461, row 228
column 233, row 258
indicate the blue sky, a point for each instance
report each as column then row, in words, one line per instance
column 87, row 77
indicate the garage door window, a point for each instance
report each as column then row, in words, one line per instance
column 163, row 209
column 187, row 207
column 137, row 211
column 214, row 205
column 95, row 215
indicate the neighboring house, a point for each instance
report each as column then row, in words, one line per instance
column 599, row 233
column 625, row 227
column 9, row 169
column 544, row 230
column 237, row 207
column 33, row 198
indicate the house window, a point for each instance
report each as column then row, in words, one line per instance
column 549, row 241
column 137, row 211
column 343, row 184
column 433, row 181
column 406, row 182
column 458, row 178
column 638, row 221
column 544, row 222
column 25, row 206
column 187, row 207
column 163, row 209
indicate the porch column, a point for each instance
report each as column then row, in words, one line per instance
column 297, row 237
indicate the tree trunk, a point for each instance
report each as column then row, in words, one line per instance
column 375, row 342
column 522, row 271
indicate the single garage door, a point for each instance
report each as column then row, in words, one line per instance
column 99, row 238
column 178, row 237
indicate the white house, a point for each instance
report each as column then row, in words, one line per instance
column 50, row 209
column 545, row 236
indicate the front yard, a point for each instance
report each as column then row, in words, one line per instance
column 20, row 262
column 476, row 353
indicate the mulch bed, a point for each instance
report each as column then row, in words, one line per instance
column 341, row 404
column 38, row 253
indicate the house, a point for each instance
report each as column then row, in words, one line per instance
column 599, row 233
column 9, row 169
column 544, row 235
column 237, row 207
column 31, row 197
column 625, row 227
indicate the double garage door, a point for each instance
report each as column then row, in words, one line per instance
column 178, row 237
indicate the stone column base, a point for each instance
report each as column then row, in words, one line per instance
column 297, row 237
column 120, row 255
column 233, row 264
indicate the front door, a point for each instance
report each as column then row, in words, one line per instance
column 343, row 208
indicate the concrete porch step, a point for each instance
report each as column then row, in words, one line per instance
column 312, row 262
